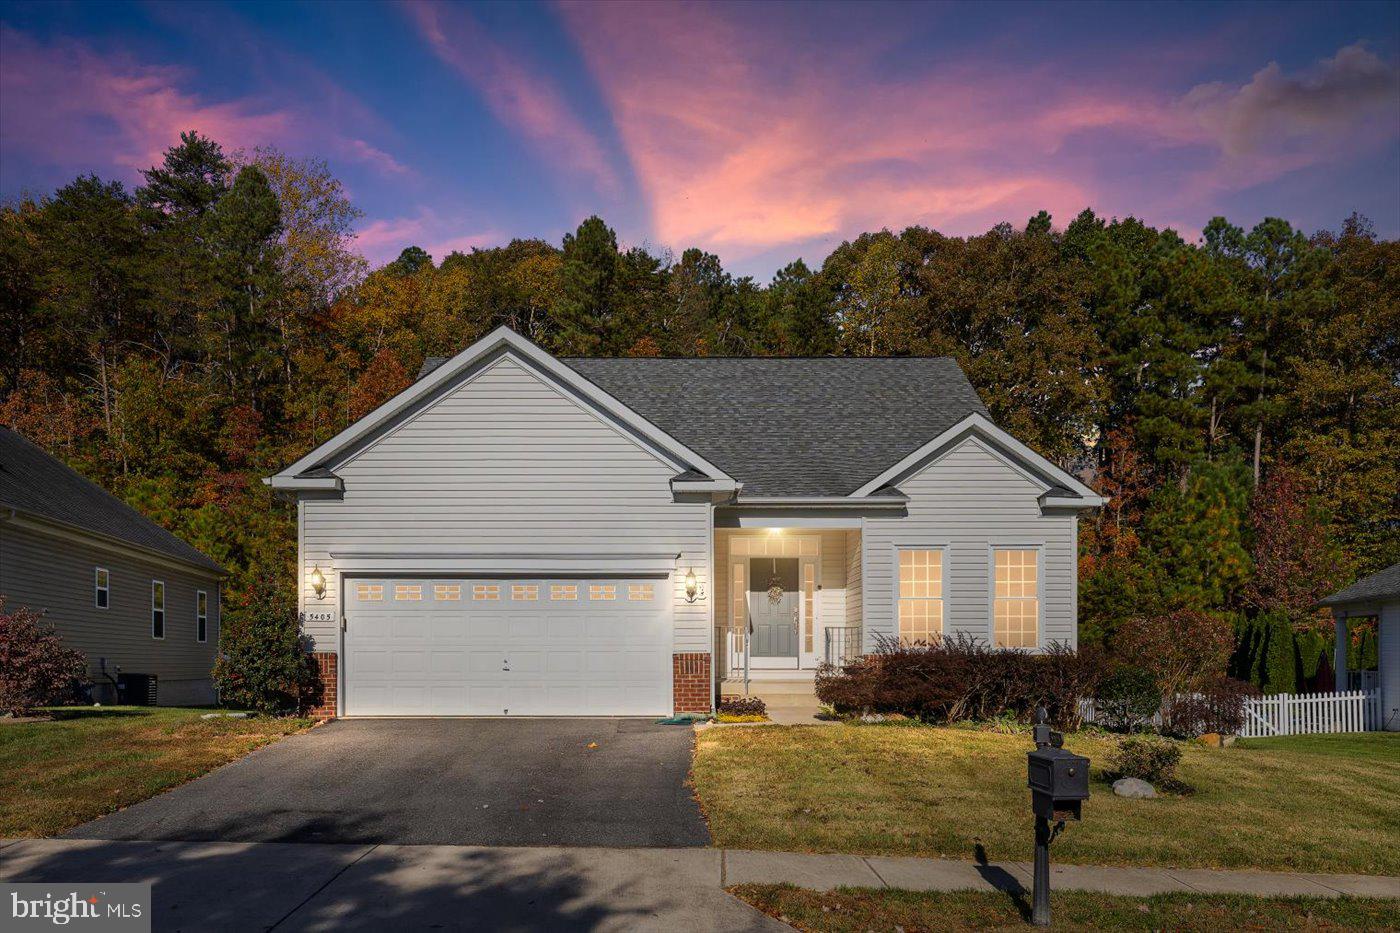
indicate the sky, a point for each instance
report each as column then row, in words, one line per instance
column 758, row 132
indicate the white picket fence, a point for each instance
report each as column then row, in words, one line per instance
column 1309, row 713
column 1295, row 714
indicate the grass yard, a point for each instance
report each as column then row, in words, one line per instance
column 854, row 910
column 90, row 761
column 1311, row 803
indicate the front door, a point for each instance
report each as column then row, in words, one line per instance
column 774, row 611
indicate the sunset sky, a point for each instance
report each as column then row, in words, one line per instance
column 758, row 132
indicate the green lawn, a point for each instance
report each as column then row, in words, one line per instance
column 1314, row 803
column 854, row 910
column 89, row 761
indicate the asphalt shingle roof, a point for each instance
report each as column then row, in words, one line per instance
column 32, row 481
column 820, row 426
column 1382, row 585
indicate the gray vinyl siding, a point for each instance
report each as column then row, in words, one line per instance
column 506, row 463
column 969, row 501
column 55, row 575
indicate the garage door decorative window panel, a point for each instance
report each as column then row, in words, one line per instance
column 524, row 656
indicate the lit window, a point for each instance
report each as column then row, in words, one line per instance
column 1016, row 602
column 563, row 591
column 920, row 595
column 486, row 591
column 524, row 591
column 409, row 591
column 201, row 616
column 599, row 591
column 447, row 591
column 369, row 592
column 640, row 591
column 101, row 587
column 157, row 609
column 809, row 598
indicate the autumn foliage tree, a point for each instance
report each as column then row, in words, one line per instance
column 1296, row 563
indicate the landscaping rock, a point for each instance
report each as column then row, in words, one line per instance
column 1210, row 739
column 872, row 717
column 1135, row 788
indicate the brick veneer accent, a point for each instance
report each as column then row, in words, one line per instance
column 323, row 695
column 691, row 675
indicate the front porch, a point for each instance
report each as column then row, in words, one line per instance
column 787, row 600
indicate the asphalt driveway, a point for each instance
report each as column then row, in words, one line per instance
column 439, row 782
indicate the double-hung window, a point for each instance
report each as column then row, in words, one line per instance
column 1016, row 597
column 920, row 595
column 201, row 616
column 101, row 587
column 157, row 609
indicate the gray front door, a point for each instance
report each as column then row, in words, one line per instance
column 773, row 606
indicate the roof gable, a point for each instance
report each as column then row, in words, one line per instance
column 1383, row 585
column 42, row 486
column 320, row 463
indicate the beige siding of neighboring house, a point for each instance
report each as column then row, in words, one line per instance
column 969, row 501
column 55, row 575
column 507, row 463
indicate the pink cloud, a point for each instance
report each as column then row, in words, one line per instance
column 81, row 109
column 517, row 96
column 382, row 240
column 745, row 141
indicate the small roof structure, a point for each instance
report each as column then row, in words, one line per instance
column 38, row 485
column 1380, row 587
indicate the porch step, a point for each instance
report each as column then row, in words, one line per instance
column 795, row 683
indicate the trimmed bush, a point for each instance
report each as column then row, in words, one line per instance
column 1127, row 699
column 1216, row 706
column 742, row 706
column 1151, row 759
column 264, row 661
column 35, row 667
column 961, row 678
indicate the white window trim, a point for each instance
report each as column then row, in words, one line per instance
column 1039, row 549
column 100, row 588
column 894, row 565
column 201, row 596
column 163, row 602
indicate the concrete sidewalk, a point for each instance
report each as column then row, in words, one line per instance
column 313, row 886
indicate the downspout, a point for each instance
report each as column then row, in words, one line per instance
column 714, row 633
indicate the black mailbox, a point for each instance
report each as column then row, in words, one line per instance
column 1059, row 783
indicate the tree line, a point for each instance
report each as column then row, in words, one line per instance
column 1236, row 396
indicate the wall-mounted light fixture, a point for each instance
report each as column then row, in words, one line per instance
column 692, row 587
column 318, row 582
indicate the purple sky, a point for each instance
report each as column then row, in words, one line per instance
column 757, row 132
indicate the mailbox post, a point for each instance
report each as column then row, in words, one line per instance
column 1059, row 783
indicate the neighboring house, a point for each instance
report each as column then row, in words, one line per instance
column 1375, row 596
column 124, row 591
column 518, row 534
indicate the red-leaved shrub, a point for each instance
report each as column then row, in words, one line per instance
column 962, row 678
column 35, row 667
column 1181, row 650
column 1214, row 706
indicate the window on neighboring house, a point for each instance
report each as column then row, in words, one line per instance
column 101, row 587
column 157, row 609
column 201, row 615
column 1016, row 598
column 920, row 595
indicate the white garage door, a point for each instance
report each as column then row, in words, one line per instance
column 524, row 647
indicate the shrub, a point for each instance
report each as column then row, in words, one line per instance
column 1128, row 698
column 35, row 668
column 265, row 662
column 1152, row 759
column 1179, row 649
column 742, row 706
column 1216, row 706
column 961, row 678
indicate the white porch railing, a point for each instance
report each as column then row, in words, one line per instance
column 842, row 643
column 1311, row 713
column 736, row 651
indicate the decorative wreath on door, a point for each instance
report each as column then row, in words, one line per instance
column 775, row 586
